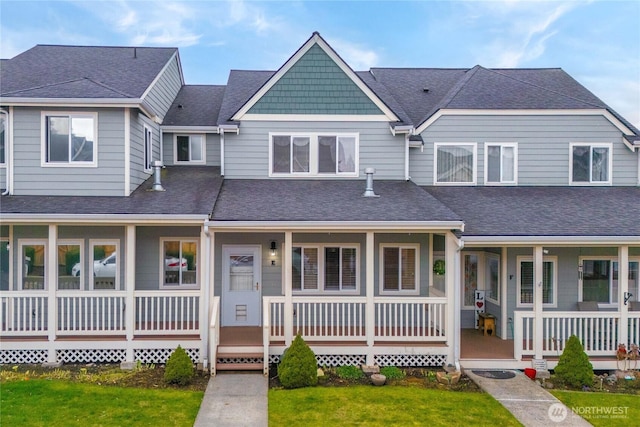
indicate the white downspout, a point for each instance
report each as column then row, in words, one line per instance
column 638, row 151
column 222, row 152
column 406, row 157
column 8, row 146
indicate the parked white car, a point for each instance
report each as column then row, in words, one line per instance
column 107, row 267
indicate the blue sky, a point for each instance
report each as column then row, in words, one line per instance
column 597, row 42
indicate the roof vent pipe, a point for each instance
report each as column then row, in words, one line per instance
column 368, row 192
column 157, row 168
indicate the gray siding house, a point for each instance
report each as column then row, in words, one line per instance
column 408, row 217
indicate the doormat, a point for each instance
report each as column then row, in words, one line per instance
column 495, row 375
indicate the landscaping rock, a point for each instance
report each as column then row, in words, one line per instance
column 370, row 369
column 378, row 379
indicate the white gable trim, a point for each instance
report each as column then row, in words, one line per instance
column 578, row 112
column 155, row 80
column 315, row 39
column 317, row 117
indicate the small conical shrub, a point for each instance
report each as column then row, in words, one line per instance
column 298, row 367
column 574, row 368
column 179, row 368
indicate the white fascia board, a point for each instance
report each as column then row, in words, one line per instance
column 578, row 112
column 88, row 219
column 80, row 103
column 229, row 129
column 345, row 226
column 315, row 39
column 191, row 129
column 317, row 117
column 527, row 241
column 395, row 130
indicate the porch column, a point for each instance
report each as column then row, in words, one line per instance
column 538, row 272
column 623, row 289
column 51, row 284
column 452, row 287
column 370, row 314
column 288, row 291
column 205, row 300
column 504, row 277
column 129, row 287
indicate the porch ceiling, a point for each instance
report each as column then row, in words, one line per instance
column 544, row 211
column 327, row 200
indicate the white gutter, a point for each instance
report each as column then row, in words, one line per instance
column 8, row 151
column 191, row 129
column 400, row 130
column 229, row 129
column 345, row 226
column 19, row 218
column 526, row 241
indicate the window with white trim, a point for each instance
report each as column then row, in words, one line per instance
column 455, row 163
column 599, row 279
column 148, row 147
column 70, row 260
column 399, row 269
column 69, row 139
column 501, row 163
column 325, row 268
column 313, row 154
column 190, row 149
column 3, row 137
column 33, row 264
column 590, row 163
column 525, row 285
column 104, row 267
column 179, row 263
column 4, row 263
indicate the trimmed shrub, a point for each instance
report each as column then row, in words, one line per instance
column 298, row 367
column 179, row 368
column 392, row 372
column 574, row 368
column 349, row 372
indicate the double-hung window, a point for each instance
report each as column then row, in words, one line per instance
column 590, row 163
column 455, row 163
column 33, row 264
column 599, row 279
column 190, row 149
column 313, row 154
column 70, row 261
column 399, row 269
column 179, row 263
column 148, row 148
column 3, row 137
column 104, row 267
column 526, row 285
column 330, row 268
column 69, row 139
column 500, row 164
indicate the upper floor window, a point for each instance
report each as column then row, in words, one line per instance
column 325, row 268
column 455, row 163
column 501, row 163
column 148, row 147
column 400, row 269
column 69, row 138
column 591, row 163
column 314, row 154
column 190, row 149
column 3, row 137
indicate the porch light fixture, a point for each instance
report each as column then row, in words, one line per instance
column 273, row 249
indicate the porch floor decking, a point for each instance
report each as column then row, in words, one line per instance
column 474, row 345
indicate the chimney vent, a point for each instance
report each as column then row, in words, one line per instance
column 368, row 192
column 157, row 168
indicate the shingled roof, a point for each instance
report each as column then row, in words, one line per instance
column 195, row 105
column 544, row 211
column 51, row 71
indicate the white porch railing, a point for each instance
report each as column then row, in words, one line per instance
column 344, row 318
column 95, row 312
column 598, row 331
column 167, row 313
column 24, row 313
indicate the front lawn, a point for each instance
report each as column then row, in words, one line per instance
column 55, row 403
column 384, row 406
column 602, row 409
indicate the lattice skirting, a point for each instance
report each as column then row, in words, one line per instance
column 160, row 355
column 23, row 356
column 239, row 360
column 410, row 359
column 91, row 355
column 341, row 359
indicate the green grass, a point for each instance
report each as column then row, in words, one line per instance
column 384, row 406
column 59, row 403
column 603, row 409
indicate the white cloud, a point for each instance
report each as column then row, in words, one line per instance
column 358, row 57
column 620, row 94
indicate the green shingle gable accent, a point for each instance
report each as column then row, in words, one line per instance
column 315, row 85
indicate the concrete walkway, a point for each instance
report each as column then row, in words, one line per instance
column 235, row 399
column 532, row 405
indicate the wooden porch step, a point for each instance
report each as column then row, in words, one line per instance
column 239, row 366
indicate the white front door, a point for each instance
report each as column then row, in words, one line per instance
column 241, row 286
